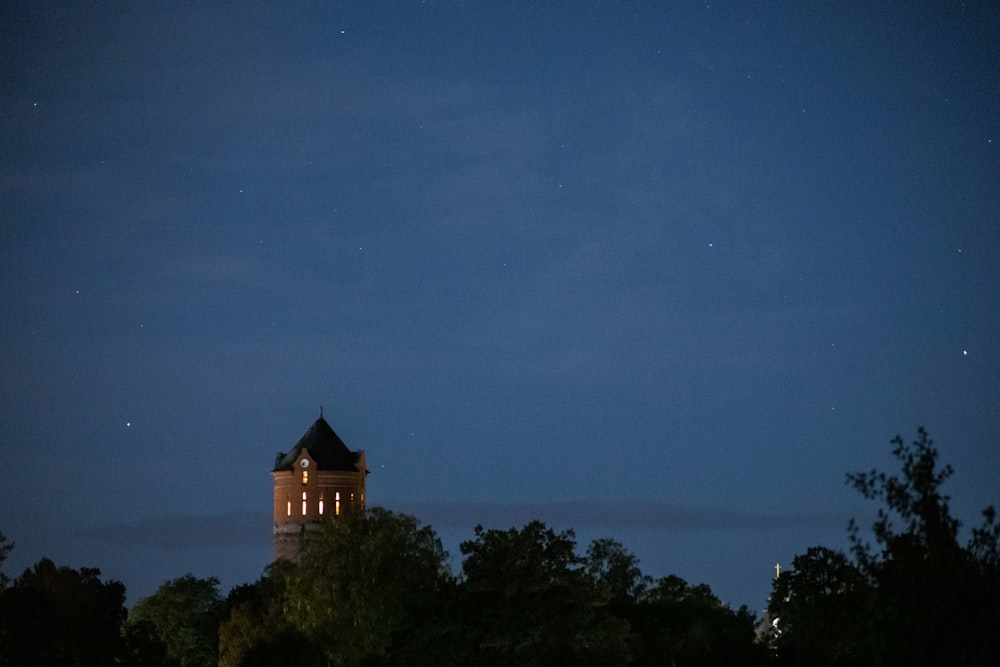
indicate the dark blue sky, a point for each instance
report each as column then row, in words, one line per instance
column 662, row 272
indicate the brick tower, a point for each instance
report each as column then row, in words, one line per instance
column 319, row 478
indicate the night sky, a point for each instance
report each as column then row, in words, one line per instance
column 661, row 272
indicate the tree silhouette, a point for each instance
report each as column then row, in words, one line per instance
column 819, row 602
column 915, row 597
column 186, row 613
column 683, row 625
column 617, row 570
column 528, row 600
column 54, row 615
column 365, row 583
column 255, row 630
column 5, row 548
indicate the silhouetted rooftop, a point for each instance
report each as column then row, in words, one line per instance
column 325, row 447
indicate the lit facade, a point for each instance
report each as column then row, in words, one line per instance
column 317, row 479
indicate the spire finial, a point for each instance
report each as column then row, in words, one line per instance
column 321, row 412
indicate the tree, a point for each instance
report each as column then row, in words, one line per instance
column 527, row 599
column 823, row 591
column 917, row 597
column 5, row 548
column 186, row 613
column 143, row 647
column 255, row 630
column 366, row 586
column 60, row 616
column 936, row 601
column 916, row 498
column 679, row 624
column 617, row 570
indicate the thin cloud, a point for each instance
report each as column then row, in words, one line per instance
column 586, row 515
column 253, row 529
column 238, row 529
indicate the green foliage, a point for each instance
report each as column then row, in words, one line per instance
column 143, row 647
column 616, row 570
column 823, row 591
column 918, row 597
column 678, row 624
column 364, row 582
column 186, row 613
column 374, row 589
column 60, row 616
column 255, row 630
column 528, row 600
column 250, row 619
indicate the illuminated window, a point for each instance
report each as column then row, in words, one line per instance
column 305, row 476
column 289, row 508
column 303, row 503
column 336, row 504
column 321, row 503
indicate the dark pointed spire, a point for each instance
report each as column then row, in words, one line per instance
column 325, row 447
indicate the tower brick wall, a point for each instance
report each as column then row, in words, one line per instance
column 318, row 480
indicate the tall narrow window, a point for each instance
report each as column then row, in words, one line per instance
column 320, row 503
column 289, row 506
column 303, row 503
column 305, row 476
column 336, row 504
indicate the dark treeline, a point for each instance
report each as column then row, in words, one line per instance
column 375, row 589
column 916, row 596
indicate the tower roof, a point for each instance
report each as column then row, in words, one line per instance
column 325, row 447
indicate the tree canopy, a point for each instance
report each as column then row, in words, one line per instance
column 529, row 600
column 53, row 615
column 362, row 581
column 185, row 613
column 5, row 549
column 917, row 596
column 375, row 588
